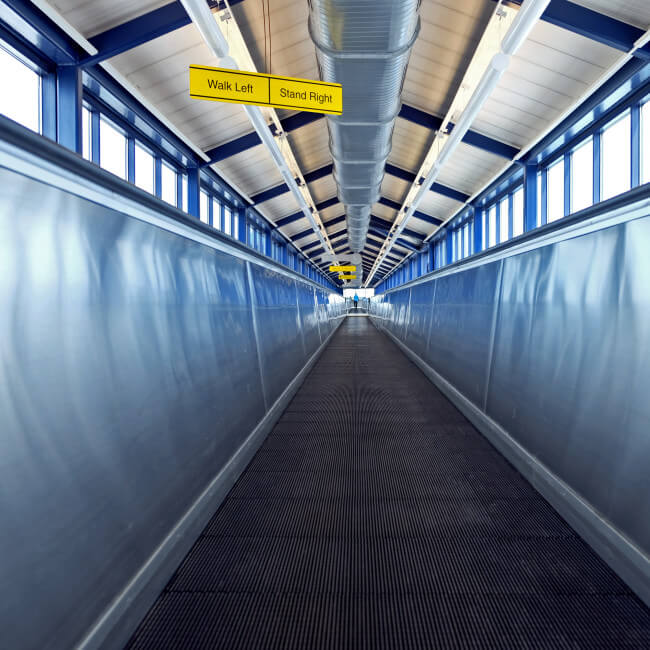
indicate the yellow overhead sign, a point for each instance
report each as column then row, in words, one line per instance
column 334, row 269
column 234, row 86
column 342, row 276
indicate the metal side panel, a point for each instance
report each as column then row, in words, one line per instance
column 572, row 367
column 308, row 317
column 130, row 390
column 280, row 339
column 420, row 314
column 461, row 328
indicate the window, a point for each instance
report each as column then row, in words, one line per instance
column 504, row 220
column 20, row 99
column 555, row 191
column 518, row 212
column 144, row 169
column 227, row 215
column 216, row 213
column 112, row 149
column 645, row 143
column 466, row 240
column 204, row 207
column 168, row 182
column 86, row 133
column 582, row 176
column 616, row 157
column 492, row 219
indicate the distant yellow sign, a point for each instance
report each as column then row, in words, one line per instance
column 234, row 86
column 335, row 269
column 343, row 276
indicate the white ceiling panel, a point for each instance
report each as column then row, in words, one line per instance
column 553, row 68
column 410, row 144
column 91, row 17
column 634, row 12
column 469, row 168
column 254, row 170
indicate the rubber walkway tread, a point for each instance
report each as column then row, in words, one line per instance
column 376, row 516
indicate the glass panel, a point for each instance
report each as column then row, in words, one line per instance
column 227, row 215
column 518, row 212
column 235, row 225
column 616, row 156
column 492, row 219
column 555, row 191
column 144, row 169
column 645, row 143
column 86, row 133
column 466, row 240
column 168, row 184
column 582, row 176
column 504, row 219
column 112, row 149
column 204, row 207
column 20, row 99
column 216, row 214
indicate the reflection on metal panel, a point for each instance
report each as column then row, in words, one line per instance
column 573, row 345
column 551, row 343
column 130, row 377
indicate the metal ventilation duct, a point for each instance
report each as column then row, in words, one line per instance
column 364, row 45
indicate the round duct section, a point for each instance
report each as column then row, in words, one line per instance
column 365, row 46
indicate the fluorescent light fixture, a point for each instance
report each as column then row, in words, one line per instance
column 229, row 46
column 506, row 31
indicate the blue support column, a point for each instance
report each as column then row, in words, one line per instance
column 94, row 137
column 130, row 160
column 49, row 105
column 478, row 230
column 68, row 107
column 193, row 192
column 158, row 177
column 567, row 183
column 179, row 191
column 511, row 214
column 530, row 197
column 596, row 177
column 243, row 226
column 635, row 120
column 544, row 201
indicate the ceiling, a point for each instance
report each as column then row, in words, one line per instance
column 550, row 72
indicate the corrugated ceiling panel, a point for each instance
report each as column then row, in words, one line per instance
column 310, row 146
column 322, row 189
column 553, row 68
column 384, row 212
column 90, row 17
column 410, row 144
column 394, row 188
column 292, row 50
column 253, row 170
column 635, row 12
column 438, row 206
column 470, row 168
column 280, row 206
column 449, row 34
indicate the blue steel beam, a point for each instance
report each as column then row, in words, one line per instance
column 438, row 188
column 473, row 138
column 594, row 25
column 398, row 242
column 419, row 215
column 250, row 140
column 138, row 31
column 283, row 187
column 382, row 223
column 296, row 216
